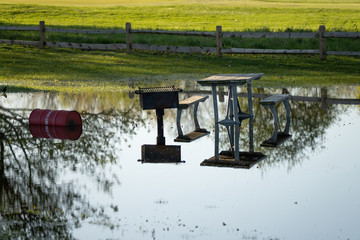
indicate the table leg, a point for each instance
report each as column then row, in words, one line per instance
column 251, row 136
column 216, row 116
column 230, row 115
column 248, row 83
column 237, row 123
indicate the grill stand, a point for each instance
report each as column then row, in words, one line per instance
column 160, row 140
column 159, row 99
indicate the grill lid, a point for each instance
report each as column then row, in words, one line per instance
column 158, row 90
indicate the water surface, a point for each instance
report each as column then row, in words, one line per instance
column 95, row 188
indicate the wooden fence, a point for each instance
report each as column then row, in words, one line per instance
column 322, row 35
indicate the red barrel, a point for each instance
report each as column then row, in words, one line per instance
column 54, row 117
column 71, row 132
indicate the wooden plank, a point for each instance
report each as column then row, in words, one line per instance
column 10, row 28
column 355, row 35
column 85, row 31
column 274, row 99
column 184, row 33
column 226, row 159
column 267, row 51
column 343, row 53
column 192, row 100
column 280, row 139
column 292, row 98
column 192, row 136
column 176, row 49
column 271, row 34
column 20, row 42
column 225, row 79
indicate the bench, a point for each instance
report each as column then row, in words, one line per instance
column 278, row 137
column 198, row 132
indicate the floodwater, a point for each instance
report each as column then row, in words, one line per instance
column 95, row 187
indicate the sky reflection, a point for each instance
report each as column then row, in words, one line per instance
column 94, row 187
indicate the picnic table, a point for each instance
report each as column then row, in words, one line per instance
column 234, row 114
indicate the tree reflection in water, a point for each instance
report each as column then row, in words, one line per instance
column 34, row 204
column 309, row 122
column 35, row 200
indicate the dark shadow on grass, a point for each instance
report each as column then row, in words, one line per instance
column 16, row 89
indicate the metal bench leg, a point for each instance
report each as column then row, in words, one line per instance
column 178, row 125
column 276, row 123
column 287, row 107
column 197, row 126
column 248, row 83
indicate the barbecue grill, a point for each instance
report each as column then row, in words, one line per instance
column 159, row 98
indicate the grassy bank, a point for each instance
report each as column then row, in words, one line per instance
column 191, row 15
column 280, row 15
column 76, row 71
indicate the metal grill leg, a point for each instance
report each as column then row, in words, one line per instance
column 160, row 126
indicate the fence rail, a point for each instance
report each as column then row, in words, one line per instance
column 322, row 35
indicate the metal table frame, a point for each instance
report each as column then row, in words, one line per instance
column 234, row 115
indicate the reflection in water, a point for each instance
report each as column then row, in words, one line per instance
column 71, row 132
column 246, row 159
column 4, row 92
column 31, row 203
column 34, row 204
column 158, row 99
column 45, row 184
column 277, row 137
column 55, row 124
column 198, row 131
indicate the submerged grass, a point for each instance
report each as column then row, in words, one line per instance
column 76, row 71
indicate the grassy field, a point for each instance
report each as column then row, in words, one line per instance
column 73, row 70
column 188, row 14
column 256, row 3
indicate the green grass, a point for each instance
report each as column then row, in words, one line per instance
column 76, row 71
column 197, row 17
column 248, row 15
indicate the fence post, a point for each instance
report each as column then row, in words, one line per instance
column 42, row 34
column 218, row 40
column 322, row 42
column 128, row 38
